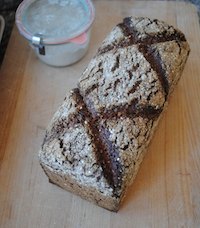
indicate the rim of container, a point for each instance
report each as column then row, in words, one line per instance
column 28, row 35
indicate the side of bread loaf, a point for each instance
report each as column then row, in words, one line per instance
column 97, row 139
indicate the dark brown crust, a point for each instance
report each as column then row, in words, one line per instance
column 130, row 111
column 154, row 59
column 133, row 89
column 131, row 32
column 106, row 153
column 90, row 89
column 132, row 36
column 60, row 127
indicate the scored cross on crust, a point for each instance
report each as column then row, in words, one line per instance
column 98, row 137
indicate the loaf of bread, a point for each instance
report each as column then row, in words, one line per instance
column 97, row 139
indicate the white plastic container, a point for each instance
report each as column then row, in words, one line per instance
column 58, row 30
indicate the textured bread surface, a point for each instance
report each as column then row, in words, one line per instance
column 98, row 137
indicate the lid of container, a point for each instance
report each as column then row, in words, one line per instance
column 56, row 21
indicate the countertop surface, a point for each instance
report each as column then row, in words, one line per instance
column 165, row 192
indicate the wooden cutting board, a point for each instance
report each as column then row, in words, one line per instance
column 166, row 192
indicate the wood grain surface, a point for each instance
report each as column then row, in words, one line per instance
column 166, row 192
